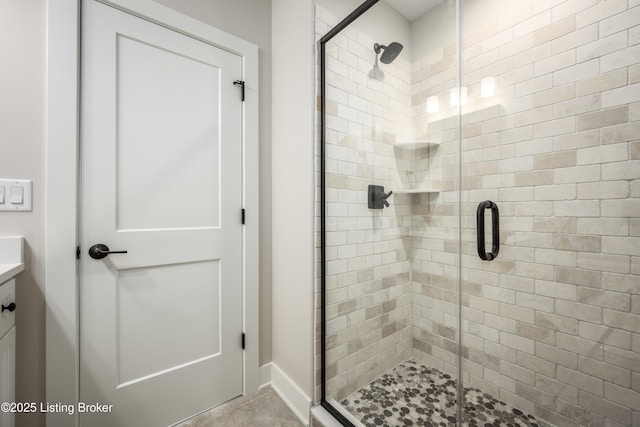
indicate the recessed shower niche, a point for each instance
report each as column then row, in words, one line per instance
column 487, row 103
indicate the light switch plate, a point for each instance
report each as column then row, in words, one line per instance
column 6, row 185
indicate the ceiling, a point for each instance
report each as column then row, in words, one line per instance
column 413, row 9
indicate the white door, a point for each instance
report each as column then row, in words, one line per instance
column 160, row 325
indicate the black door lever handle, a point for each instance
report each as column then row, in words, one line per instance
column 10, row 307
column 99, row 251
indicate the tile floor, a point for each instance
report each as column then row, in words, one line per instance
column 263, row 409
column 411, row 394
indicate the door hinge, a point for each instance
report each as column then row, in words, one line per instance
column 241, row 84
column 243, row 340
column 77, row 252
column 242, row 216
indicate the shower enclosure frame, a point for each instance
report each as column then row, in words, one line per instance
column 530, row 292
column 359, row 11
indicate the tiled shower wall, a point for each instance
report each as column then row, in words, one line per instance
column 553, row 325
column 435, row 216
column 367, row 252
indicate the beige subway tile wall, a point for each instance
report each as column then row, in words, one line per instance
column 367, row 251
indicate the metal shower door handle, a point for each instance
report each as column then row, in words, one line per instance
column 495, row 225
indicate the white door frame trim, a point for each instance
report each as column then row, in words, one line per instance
column 61, row 192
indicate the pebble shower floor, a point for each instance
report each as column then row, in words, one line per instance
column 411, row 394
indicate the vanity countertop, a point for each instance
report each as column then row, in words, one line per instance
column 11, row 257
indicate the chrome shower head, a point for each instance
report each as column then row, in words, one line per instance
column 390, row 53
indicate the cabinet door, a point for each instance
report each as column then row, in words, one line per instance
column 7, row 375
column 7, row 296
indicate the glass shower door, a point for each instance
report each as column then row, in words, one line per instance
column 550, row 137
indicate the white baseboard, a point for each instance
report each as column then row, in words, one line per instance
column 289, row 392
column 265, row 376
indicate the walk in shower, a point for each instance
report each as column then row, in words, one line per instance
column 479, row 212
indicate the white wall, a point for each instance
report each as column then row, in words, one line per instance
column 293, row 189
column 339, row 8
column 22, row 49
column 249, row 20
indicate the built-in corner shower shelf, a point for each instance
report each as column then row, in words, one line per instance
column 417, row 191
column 415, row 145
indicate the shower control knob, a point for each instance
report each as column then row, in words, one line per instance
column 385, row 197
column 377, row 197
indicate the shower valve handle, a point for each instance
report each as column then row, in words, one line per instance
column 377, row 198
column 385, row 196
